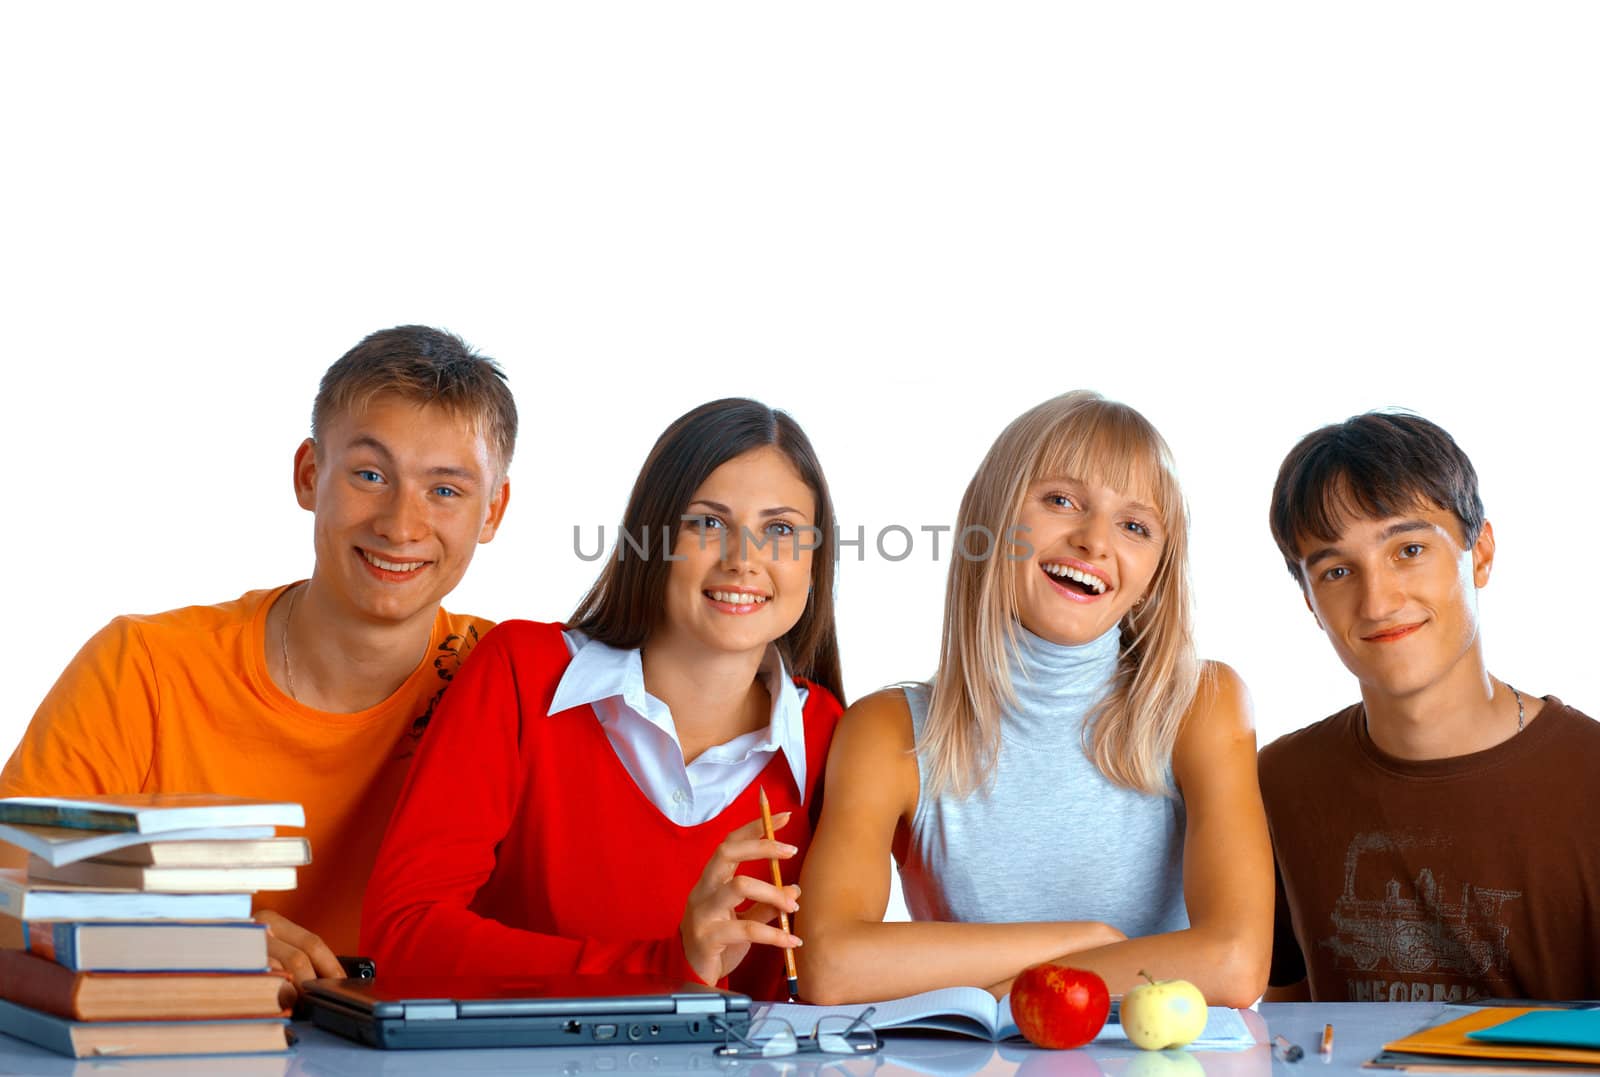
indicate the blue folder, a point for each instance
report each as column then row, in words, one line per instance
column 1547, row 1028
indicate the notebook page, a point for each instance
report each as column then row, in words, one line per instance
column 967, row 1010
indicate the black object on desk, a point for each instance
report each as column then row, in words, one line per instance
column 359, row 968
column 533, row 1011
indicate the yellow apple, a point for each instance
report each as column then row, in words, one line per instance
column 1162, row 1013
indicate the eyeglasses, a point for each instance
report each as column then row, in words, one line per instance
column 771, row 1037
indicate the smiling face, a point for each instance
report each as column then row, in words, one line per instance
column 1397, row 597
column 744, row 575
column 1095, row 552
column 403, row 493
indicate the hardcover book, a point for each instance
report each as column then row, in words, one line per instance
column 151, row 945
column 114, row 1039
column 131, row 996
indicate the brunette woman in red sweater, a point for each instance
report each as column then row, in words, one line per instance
column 586, row 797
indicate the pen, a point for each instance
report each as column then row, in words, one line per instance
column 1289, row 1052
column 783, row 917
column 1327, row 1040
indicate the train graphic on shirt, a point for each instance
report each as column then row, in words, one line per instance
column 1414, row 930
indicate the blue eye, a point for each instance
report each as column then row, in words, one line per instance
column 368, row 475
column 1061, row 501
column 1137, row 528
column 780, row 527
column 446, row 491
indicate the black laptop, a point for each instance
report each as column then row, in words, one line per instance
column 533, row 1011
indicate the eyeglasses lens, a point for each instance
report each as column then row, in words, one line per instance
column 845, row 1036
column 772, row 1038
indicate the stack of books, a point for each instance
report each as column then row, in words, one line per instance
column 133, row 922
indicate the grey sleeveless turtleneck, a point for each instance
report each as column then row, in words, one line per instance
column 1053, row 839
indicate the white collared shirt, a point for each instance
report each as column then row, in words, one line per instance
column 642, row 733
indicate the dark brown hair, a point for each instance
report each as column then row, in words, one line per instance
column 625, row 604
column 1371, row 466
column 426, row 365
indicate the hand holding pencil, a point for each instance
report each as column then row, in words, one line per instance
column 783, row 917
column 716, row 935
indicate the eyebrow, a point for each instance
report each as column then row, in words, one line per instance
column 1400, row 527
column 1135, row 506
column 717, row 506
column 367, row 441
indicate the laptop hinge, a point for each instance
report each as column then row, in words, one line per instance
column 429, row 1011
column 701, row 1005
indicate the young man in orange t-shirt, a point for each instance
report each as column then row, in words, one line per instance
column 316, row 691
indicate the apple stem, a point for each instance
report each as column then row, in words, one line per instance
column 1147, row 976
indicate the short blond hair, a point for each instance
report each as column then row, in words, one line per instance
column 426, row 366
column 1131, row 732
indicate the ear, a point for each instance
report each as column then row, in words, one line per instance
column 497, row 511
column 305, row 475
column 1483, row 555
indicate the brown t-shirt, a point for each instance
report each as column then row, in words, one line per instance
column 1442, row 879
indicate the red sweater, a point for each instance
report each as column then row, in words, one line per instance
column 520, row 845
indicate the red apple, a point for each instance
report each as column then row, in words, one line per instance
column 1055, row 1006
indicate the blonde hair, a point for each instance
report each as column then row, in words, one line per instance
column 1130, row 733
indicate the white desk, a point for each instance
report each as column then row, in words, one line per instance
column 1360, row 1029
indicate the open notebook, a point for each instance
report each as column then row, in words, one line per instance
column 972, row 1011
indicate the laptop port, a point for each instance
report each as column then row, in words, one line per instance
column 572, row 1026
column 605, row 1032
column 635, row 1032
column 655, row 1030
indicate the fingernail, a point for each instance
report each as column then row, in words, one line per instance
column 797, row 940
column 791, row 849
column 797, row 888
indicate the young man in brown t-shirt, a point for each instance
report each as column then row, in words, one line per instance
column 1436, row 841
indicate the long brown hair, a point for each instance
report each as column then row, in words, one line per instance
column 1131, row 732
column 625, row 604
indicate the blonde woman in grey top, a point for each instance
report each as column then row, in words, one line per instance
column 1073, row 784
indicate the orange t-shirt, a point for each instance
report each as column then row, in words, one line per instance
column 182, row 702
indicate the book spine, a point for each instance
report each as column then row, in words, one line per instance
column 51, row 1033
column 72, row 818
column 54, row 942
column 38, row 984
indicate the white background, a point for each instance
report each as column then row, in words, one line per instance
column 903, row 224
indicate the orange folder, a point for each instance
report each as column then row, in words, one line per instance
column 1451, row 1039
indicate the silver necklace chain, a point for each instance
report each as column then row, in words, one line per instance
column 1521, row 711
column 283, row 644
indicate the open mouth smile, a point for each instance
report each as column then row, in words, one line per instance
column 1076, row 581
column 387, row 570
column 736, row 600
